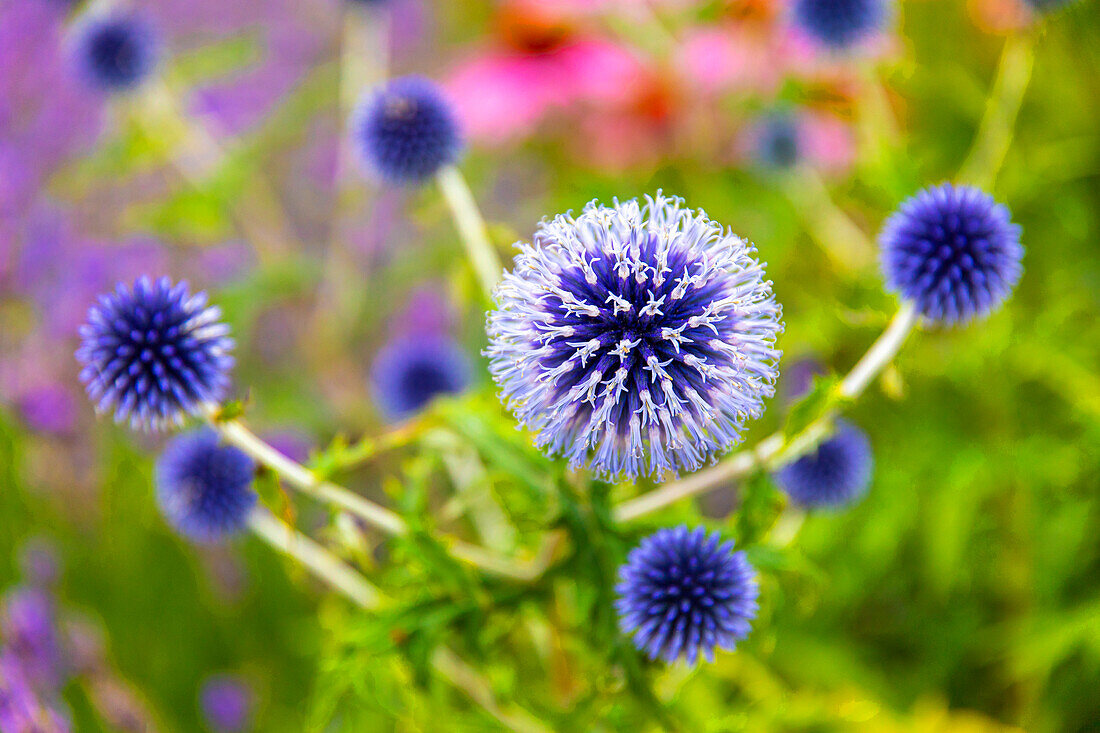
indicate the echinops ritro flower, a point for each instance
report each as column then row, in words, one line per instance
column 636, row 339
column 154, row 353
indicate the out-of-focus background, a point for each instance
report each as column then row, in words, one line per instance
column 962, row 594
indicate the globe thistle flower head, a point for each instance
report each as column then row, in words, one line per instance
column 838, row 25
column 636, row 339
column 411, row 371
column 115, row 52
column 953, row 251
column 154, row 353
column 406, row 131
column 682, row 593
column 778, row 143
column 838, row 472
column 204, row 488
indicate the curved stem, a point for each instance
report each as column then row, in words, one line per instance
column 775, row 450
column 233, row 431
column 881, row 353
column 375, row 515
column 995, row 132
column 326, row 566
column 471, row 227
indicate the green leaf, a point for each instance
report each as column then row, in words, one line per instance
column 823, row 397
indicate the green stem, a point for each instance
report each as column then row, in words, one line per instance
column 776, row 450
column 375, row 515
column 471, row 227
column 999, row 121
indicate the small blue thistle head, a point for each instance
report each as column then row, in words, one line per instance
column 840, row 24
column 410, row 372
column 953, row 251
column 636, row 338
column 683, row 592
column 204, row 488
column 406, row 131
column 778, row 143
column 116, row 52
column 835, row 474
column 154, row 353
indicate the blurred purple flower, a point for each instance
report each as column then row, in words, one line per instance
column 50, row 408
column 227, row 703
column 21, row 708
column 29, row 625
column 39, row 99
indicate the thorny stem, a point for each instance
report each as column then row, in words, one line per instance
column 471, row 227
column 358, row 589
column 775, row 450
column 375, row 515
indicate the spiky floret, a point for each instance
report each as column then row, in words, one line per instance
column 838, row 472
column 636, row 338
column 204, row 488
column 683, row 592
column 154, row 353
column 953, row 251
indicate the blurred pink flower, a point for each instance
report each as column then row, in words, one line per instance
column 541, row 62
column 830, row 142
column 715, row 59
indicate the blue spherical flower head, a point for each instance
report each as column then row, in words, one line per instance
column 682, row 593
column 410, row 372
column 406, row 131
column 840, row 24
column 778, row 142
column 154, row 353
column 953, row 251
column 636, row 338
column 116, row 52
column 835, row 474
column 204, row 488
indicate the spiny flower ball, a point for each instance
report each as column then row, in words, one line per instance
column 116, row 52
column 837, row 473
column 953, row 251
column 684, row 592
column 204, row 488
column 411, row 371
column 635, row 338
column 406, row 131
column 840, row 24
column 154, row 353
